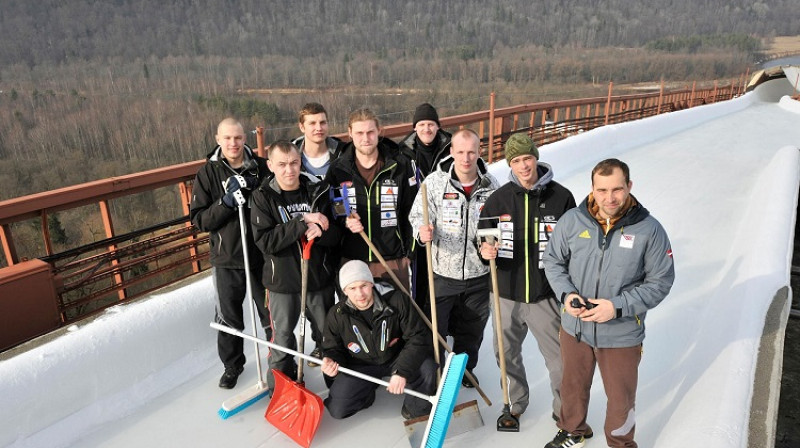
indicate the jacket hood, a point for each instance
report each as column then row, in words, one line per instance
column 446, row 165
column 635, row 214
column 216, row 154
column 543, row 171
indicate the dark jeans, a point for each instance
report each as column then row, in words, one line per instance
column 231, row 291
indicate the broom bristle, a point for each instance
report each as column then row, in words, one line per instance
column 446, row 397
column 233, row 406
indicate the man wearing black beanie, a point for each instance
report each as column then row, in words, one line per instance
column 426, row 146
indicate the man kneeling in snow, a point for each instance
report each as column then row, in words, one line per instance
column 375, row 332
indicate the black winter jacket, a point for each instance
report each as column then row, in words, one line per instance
column 278, row 237
column 396, row 335
column 209, row 214
column 520, row 272
column 383, row 206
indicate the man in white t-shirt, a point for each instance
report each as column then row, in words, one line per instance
column 317, row 148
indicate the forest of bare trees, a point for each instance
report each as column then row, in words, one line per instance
column 95, row 88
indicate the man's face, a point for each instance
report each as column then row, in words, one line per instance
column 365, row 136
column 360, row 294
column 231, row 138
column 315, row 127
column 286, row 166
column 524, row 167
column 426, row 130
column 611, row 192
column 465, row 152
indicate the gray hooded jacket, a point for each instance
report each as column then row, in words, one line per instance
column 631, row 266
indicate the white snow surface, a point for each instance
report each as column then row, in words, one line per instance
column 722, row 179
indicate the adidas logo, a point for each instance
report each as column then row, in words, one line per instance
column 585, row 234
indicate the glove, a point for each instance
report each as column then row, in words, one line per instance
column 239, row 182
column 235, row 186
column 234, row 199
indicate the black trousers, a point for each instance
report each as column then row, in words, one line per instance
column 349, row 394
column 462, row 310
column 231, row 292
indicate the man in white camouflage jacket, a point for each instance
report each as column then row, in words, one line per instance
column 457, row 191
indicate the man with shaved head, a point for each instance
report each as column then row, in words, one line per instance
column 457, row 191
column 222, row 185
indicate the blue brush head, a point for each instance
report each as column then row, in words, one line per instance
column 225, row 413
column 445, row 401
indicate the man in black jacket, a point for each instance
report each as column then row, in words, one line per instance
column 380, row 187
column 426, row 147
column 526, row 210
column 288, row 208
column 375, row 332
column 231, row 171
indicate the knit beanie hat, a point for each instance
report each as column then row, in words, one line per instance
column 354, row 271
column 520, row 144
column 425, row 112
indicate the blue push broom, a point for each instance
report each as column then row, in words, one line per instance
column 237, row 403
column 443, row 402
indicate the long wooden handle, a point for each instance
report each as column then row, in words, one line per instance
column 431, row 292
column 498, row 326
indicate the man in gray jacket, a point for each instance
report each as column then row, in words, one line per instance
column 457, row 191
column 609, row 261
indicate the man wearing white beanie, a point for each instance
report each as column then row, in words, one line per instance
column 375, row 332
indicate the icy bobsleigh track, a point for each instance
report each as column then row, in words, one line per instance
column 723, row 180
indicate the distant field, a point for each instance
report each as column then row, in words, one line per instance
column 783, row 44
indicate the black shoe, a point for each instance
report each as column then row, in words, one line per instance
column 466, row 382
column 229, row 378
column 317, row 353
column 563, row 439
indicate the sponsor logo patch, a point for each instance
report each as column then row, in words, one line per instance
column 353, row 347
column 585, row 234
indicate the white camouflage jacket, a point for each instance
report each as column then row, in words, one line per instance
column 455, row 219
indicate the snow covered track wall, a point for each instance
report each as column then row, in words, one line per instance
column 107, row 368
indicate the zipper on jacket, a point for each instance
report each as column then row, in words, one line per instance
column 527, row 252
column 377, row 202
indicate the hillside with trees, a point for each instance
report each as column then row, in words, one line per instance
column 95, row 88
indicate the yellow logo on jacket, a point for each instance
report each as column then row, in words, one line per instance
column 585, row 234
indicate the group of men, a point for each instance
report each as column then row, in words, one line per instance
column 579, row 278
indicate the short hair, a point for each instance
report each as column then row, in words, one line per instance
column 284, row 146
column 310, row 109
column 230, row 121
column 466, row 133
column 606, row 168
column 362, row 115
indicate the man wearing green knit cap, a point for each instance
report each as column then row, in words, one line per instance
column 526, row 210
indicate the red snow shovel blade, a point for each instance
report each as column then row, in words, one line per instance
column 294, row 410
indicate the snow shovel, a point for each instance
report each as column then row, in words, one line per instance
column 301, row 339
column 507, row 422
column 294, row 410
column 258, row 391
column 308, row 407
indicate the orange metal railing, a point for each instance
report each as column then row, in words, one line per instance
column 92, row 277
